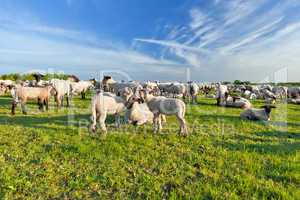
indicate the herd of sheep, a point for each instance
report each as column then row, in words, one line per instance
column 147, row 102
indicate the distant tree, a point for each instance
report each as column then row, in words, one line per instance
column 238, row 82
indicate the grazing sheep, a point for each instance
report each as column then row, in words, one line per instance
column 258, row 114
column 21, row 94
column 63, row 88
column 81, row 87
column 165, row 106
column 106, row 103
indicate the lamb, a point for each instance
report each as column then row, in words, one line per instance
column 63, row 88
column 165, row 106
column 21, row 94
column 81, row 87
column 258, row 114
column 105, row 103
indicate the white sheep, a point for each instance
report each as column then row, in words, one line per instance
column 81, row 87
column 257, row 114
column 222, row 91
column 193, row 91
column 105, row 103
column 160, row 105
column 138, row 114
column 63, row 88
column 237, row 102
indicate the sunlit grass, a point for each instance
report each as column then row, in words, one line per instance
column 52, row 155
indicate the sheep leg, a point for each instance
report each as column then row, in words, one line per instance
column 94, row 121
column 23, row 107
column 62, row 101
column 40, row 103
column 117, row 120
column 13, row 107
column 102, row 119
column 159, row 123
column 68, row 101
column 82, row 95
column 155, row 123
column 183, row 127
column 46, row 102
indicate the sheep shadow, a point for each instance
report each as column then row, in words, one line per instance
column 279, row 134
column 262, row 147
column 56, row 122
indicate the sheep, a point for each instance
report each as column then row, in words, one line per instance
column 294, row 92
column 106, row 83
column 193, row 90
column 258, row 114
column 280, row 92
column 237, row 102
column 175, row 89
column 152, row 86
column 21, row 94
column 73, row 78
column 63, row 88
column 165, row 106
column 138, row 113
column 106, row 103
column 222, row 90
column 81, row 87
column 3, row 89
column 294, row 101
column 118, row 87
column 7, row 83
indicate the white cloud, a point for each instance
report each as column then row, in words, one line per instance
column 241, row 43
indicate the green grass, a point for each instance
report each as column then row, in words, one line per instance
column 52, row 156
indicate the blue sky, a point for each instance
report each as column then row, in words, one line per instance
column 214, row 40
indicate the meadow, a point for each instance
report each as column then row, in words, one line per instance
column 53, row 156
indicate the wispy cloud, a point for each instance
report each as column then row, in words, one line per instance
column 257, row 35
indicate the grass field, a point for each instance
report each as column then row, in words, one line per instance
column 52, row 156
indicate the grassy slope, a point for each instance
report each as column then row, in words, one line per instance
column 43, row 156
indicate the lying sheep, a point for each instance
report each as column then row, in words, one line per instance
column 105, row 103
column 294, row 101
column 258, row 114
column 63, row 88
column 237, row 102
column 138, row 113
column 22, row 94
column 165, row 106
column 81, row 87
